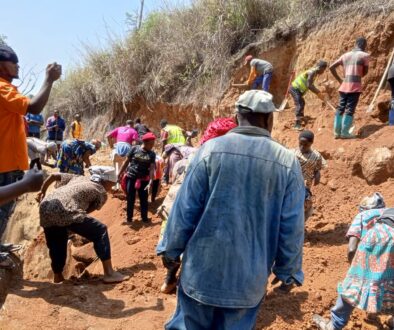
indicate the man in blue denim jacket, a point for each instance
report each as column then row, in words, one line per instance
column 237, row 217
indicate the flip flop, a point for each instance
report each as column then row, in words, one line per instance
column 9, row 247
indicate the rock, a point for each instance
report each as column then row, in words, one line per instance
column 332, row 185
column 84, row 253
column 381, row 112
column 377, row 165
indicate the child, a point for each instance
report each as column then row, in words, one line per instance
column 312, row 163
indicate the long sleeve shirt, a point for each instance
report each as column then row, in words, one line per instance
column 238, row 216
column 55, row 133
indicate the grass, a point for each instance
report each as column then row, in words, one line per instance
column 181, row 54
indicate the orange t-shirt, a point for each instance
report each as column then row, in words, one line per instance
column 13, row 146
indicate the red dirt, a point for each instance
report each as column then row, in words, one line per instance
column 34, row 303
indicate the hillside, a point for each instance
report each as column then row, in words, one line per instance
column 355, row 168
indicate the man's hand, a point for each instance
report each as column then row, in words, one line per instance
column 33, row 180
column 53, row 72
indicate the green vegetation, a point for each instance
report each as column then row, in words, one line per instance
column 180, row 54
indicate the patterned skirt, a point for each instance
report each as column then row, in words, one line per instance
column 369, row 283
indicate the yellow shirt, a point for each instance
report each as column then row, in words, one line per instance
column 77, row 131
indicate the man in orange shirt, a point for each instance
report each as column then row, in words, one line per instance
column 13, row 108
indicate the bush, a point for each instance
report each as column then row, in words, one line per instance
column 178, row 53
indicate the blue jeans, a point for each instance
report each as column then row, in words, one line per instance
column 340, row 313
column 7, row 209
column 391, row 112
column 192, row 315
column 264, row 80
column 348, row 103
column 299, row 101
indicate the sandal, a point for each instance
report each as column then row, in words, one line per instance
column 9, row 247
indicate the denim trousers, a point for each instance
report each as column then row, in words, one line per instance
column 299, row 102
column 264, row 81
column 192, row 315
column 340, row 313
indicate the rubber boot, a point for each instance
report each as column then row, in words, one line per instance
column 346, row 125
column 338, row 125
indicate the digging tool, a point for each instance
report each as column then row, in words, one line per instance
column 330, row 105
column 286, row 99
column 116, row 188
column 239, row 85
column 382, row 81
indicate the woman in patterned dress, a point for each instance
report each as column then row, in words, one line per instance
column 369, row 283
column 66, row 209
column 73, row 154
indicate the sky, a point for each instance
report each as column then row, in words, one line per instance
column 46, row 31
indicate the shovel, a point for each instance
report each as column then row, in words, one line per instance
column 286, row 99
column 372, row 105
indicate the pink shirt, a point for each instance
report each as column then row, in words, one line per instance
column 354, row 64
column 124, row 134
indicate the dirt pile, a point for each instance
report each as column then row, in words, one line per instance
column 355, row 168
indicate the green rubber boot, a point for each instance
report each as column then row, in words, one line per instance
column 346, row 125
column 337, row 125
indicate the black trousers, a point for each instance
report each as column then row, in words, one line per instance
column 90, row 228
column 299, row 102
column 36, row 135
column 143, row 196
column 155, row 189
column 348, row 103
column 36, row 162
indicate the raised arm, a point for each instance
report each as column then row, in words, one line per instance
column 38, row 102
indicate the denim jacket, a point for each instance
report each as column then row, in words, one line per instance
column 238, row 216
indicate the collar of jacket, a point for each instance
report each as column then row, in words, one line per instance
column 251, row 130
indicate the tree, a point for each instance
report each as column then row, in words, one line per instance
column 2, row 39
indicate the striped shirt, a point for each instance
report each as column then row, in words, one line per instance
column 354, row 65
column 310, row 164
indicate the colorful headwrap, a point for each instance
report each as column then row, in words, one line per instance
column 217, row 128
column 375, row 201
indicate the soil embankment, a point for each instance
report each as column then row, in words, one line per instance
column 355, row 168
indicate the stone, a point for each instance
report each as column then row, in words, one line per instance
column 84, row 253
column 377, row 165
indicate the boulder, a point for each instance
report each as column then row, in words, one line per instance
column 377, row 165
column 84, row 253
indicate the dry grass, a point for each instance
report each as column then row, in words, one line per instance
column 185, row 53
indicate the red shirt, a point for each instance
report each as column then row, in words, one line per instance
column 354, row 65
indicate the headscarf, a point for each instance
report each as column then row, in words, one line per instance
column 217, row 128
column 375, row 201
